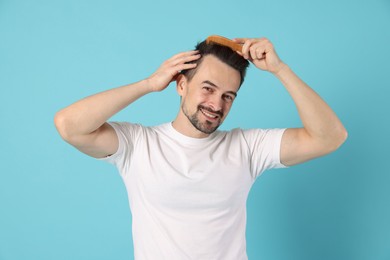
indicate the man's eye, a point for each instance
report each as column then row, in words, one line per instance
column 208, row 89
column 228, row 98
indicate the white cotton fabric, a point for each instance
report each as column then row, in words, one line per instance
column 187, row 195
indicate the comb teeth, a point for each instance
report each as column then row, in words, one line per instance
column 224, row 42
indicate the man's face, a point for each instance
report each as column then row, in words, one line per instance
column 208, row 97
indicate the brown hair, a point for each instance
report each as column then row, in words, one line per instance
column 224, row 54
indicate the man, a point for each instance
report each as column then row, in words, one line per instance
column 187, row 182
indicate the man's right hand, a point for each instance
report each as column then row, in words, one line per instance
column 170, row 69
column 83, row 124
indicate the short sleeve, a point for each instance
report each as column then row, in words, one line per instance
column 127, row 135
column 264, row 148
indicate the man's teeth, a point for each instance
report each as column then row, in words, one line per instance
column 208, row 114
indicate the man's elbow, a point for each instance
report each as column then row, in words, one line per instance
column 62, row 125
column 338, row 140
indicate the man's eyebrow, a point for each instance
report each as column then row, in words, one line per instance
column 214, row 85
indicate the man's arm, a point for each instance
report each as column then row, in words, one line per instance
column 83, row 124
column 322, row 131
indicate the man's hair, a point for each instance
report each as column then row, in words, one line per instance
column 224, row 54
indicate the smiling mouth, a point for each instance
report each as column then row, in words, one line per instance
column 210, row 114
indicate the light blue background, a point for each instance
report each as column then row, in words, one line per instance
column 56, row 203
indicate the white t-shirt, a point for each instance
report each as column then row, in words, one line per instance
column 188, row 195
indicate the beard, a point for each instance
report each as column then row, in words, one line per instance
column 207, row 126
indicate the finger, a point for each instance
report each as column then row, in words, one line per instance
column 187, row 66
column 182, row 67
column 260, row 54
column 240, row 40
column 265, row 44
column 252, row 52
column 186, row 59
column 183, row 54
column 190, row 58
column 245, row 48
column 182, row 58
column 257, row 52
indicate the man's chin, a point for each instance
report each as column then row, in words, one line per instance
column 202, row 124
column 207, row 128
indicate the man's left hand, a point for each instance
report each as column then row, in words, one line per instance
column 261, row 52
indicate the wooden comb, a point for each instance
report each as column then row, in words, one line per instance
column 224, row 42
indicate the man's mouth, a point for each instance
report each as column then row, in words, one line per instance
column 209, row 114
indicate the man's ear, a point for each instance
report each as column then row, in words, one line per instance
column 181, row 84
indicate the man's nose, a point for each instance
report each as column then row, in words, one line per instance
column 216, row 103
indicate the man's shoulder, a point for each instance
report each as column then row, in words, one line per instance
column 239, row 131
column 130, row 125
column 254, row 133
column 136, row 129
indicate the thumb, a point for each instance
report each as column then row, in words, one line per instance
column 240, row 40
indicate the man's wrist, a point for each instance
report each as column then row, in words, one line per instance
column 283, row 68
column 148, row 85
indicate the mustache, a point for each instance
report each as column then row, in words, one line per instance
column 219, row 112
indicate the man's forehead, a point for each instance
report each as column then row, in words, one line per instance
column 214, row 70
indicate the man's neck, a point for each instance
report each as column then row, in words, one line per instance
column 185, row 127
